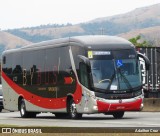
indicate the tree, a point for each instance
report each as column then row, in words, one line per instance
column 137, row 41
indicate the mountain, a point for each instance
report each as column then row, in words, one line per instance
column 137, row 16
column 144, row 21
column 9, row 41
column 37, row 34
column 137, row 19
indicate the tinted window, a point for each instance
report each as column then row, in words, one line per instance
column 7, row 67
column 76, row 50
column 17, row 63
column 65, row 63
column 33, row 67
column 4, row 59
column 52, row 59
column 58, row 59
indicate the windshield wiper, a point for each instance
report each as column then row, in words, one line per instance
column 125, row 79
column 111, row 80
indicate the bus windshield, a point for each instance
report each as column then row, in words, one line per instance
column 118, row 71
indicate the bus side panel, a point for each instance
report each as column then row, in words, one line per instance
column 43, row 77
column 11, row 101
column 10, row 98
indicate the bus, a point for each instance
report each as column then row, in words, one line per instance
column 73, row 76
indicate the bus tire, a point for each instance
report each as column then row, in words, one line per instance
column 32, row 114
column 72, row 111
column 61, row 115
column 24, row 113
column 118, row 115
column 0, row 109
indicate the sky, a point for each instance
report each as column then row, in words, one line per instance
column 27, row 13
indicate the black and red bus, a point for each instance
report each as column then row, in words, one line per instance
column 73, row 76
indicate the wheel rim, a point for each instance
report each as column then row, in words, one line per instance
column 73, row 109
column 22, row 109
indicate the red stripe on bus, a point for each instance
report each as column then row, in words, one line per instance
column 49, row 103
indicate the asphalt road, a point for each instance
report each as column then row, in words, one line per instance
column 130, row 119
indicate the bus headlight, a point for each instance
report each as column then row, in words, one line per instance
column 141, row 108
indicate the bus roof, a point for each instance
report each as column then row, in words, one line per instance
column 103, row 42
column 94, row 42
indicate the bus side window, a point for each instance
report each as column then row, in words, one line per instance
column 4, row 60
column 83, row 74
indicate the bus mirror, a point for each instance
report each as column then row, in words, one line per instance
column 85, row 60
column 145, row 58
column 83, row 74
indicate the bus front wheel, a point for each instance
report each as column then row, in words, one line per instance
column 73, row 111
column 118, row 115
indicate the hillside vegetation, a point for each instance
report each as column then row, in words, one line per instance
column 151, row 34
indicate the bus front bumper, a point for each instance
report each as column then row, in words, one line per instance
column 135, row 105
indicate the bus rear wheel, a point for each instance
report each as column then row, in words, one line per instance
column 118, row 115
column 23, row 112
column 72, row 111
